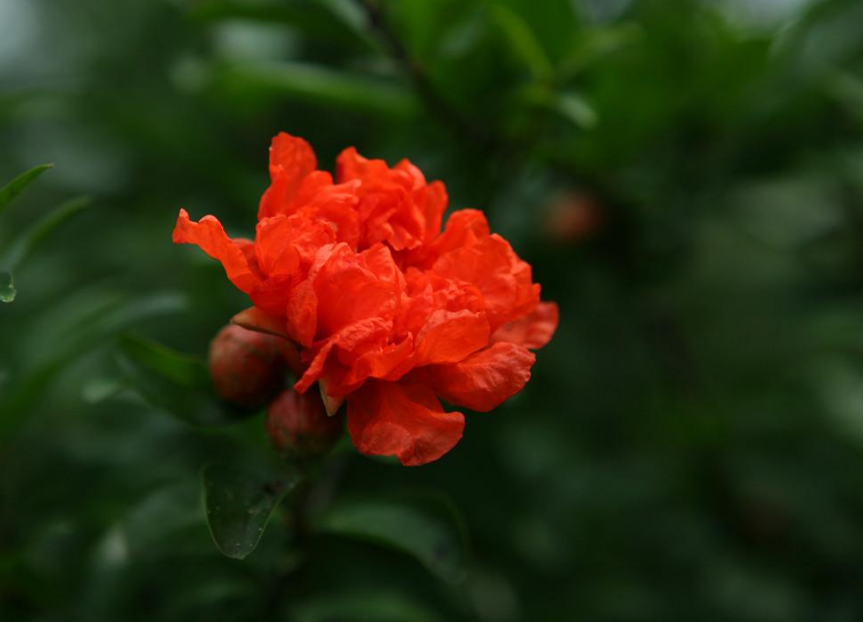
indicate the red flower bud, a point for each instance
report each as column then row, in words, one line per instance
column 248, row 368
column 573, row 217
column 298, row 425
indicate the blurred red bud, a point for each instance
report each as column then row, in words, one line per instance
column 573, row 217
column 298, row 425
column 248, row 367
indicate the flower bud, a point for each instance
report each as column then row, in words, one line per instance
column 298, row 425
column 573, row 217
column 248, row 368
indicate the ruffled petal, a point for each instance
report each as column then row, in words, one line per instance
column 434, row 202
column 396, row 205
column 387, row 361
column 352, row 287
column 302, row 305
column 273, row 294
column 210, row 236
column 402, row 419
column 361, row 335
column 291, row 160
column 464, row 227
column 485, row 379
column 286, row 244
column 449, row 336
column 532, row 331
column 504, row 280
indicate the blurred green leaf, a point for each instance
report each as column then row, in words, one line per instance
column 847, row 89
column 592, row 46
column 26, row 242
column 239, row 500
column 329, row 20
column 175, row 382
column 66, row 333
column 10, row 191
column 322, row 86
column 426, row 529
column 523, row 42
column 7, row 287
column 30, row 239
column 363, row 607
column 568, row 105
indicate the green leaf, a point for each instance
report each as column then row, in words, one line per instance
column 10, row 191
column 239, row 500
column 523, row 42
column 37, row 233
column 594, row 45
column 175, row 382
column 428, row 529
column 568, row 105
column 27, row 242
column 81, row 321
column 335, row 21
column 320, row 86
column 7, row 287
column 362, row 606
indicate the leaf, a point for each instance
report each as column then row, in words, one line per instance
column 523, row 42
column 175, row 382
column 239, row 501
column 362, row 606
column 568, row 105
column 594, row 45
column 34, row 236
column 37, row 233
column 10, row 191
column 334, row 21
column 321, row 86
column 7, row 287
column 425, row 528
column 81, row 321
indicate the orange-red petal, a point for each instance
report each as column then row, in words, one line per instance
column 210, row 236
column 532, row 331
column 504, row 280
column 291, row 160
column 448, row 337
column 402, row 419
column 485, row 379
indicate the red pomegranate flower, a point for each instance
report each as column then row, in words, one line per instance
column 390, row 313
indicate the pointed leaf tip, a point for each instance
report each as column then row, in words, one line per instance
column 10, row 191
column 239, row 501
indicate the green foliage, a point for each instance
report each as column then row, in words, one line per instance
column 430, row 534
column 30, row 239
column 240, row 500
column 10, row 191
column 685, row 178
column 177, row 383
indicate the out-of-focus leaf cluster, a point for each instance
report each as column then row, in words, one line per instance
column 686, row 179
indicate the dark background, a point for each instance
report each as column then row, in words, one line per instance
column 686, row 179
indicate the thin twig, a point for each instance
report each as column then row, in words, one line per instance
column 423, row 84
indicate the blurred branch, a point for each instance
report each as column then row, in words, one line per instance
column 423, row 84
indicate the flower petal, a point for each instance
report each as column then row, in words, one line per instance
column 402, row 419
column 351, row 338
column 448, row 337
column 352, row 287
column 504, row 280
column 532, row 331
column 291, row 160
column 485, row 379
column 210, row 236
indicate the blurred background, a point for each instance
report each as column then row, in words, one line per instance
column 686, row 179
